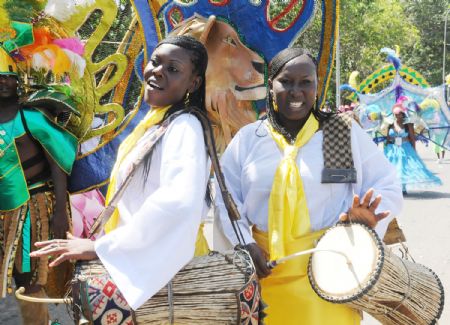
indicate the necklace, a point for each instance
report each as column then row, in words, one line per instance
column 4, row 134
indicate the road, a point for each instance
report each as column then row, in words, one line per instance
column 425, row 220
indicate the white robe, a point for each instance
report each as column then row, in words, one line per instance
column 252, row 157
column 159, row 216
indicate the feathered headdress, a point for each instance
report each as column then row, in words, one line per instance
column 38, row 47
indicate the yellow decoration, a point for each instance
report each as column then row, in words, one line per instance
column 88, row 85
column 7, row 64
column 289, row 295
column 201, row 245
column 4, row 17
column 330, row 35
column 153, row 117
column 429, row 103
column 353, row 79
column 288, row 210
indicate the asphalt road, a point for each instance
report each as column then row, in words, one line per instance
column 425, row 220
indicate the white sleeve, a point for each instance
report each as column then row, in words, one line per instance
column 377, row 173
column 144, row 254
column 232, row 169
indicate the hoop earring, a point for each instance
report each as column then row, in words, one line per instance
column 186, row 99
column 275, row 106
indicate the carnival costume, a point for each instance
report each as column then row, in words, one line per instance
column 411, row 170
column 27, row 205
column 251, row 166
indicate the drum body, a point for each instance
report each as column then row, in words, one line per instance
column 212, row 289
column 373, row 279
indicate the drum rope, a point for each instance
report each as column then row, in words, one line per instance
column 405, row 296
column 170, row 301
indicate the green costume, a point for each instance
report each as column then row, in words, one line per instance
column 26, row 209
column 58, row 143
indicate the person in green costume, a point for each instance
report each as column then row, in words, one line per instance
column 36, row 155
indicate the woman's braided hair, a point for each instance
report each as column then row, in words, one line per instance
column 199, row 58
column 274, row 68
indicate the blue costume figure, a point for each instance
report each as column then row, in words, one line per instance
column 400, row 150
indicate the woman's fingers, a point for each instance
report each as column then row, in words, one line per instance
column 374, row 205
column 380, row 216
column 44, row 243
column 61, row 258
column 343, row 217
column 355, row 202
column 367, row 198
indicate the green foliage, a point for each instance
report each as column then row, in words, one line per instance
column 366, row 26
column 23, row 10
column 426, row 56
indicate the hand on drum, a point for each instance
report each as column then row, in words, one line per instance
column 72, row 248
column 364, row 210
column 259, row 259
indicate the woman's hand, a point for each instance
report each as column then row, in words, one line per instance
column 259, row 259
column 66, row 249
column 364, row 210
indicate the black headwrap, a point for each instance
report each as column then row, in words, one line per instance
column 274, row 68
column 199, row 58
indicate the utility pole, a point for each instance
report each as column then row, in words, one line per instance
column 338, row 69
column 445, row 44
column 446, row 87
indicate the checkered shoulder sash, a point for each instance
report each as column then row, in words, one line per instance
column 337, row 150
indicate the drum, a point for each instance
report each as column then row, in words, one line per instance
column 212, row 289
column 352, row 266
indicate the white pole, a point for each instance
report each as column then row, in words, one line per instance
column 338, row 69
column 445, row 45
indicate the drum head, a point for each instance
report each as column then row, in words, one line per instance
column 330, row 274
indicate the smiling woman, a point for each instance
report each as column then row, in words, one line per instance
column 154, row 219
column 295, row 195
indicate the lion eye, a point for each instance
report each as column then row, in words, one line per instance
column 229, row 40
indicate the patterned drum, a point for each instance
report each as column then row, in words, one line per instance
column 212, row 289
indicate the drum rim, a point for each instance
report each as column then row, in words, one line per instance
column 371, row 281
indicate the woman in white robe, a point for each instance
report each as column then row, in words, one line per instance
column 273, row 170
column 155, row 227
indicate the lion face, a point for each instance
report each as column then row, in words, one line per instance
column 233, row 66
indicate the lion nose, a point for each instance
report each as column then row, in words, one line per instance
column 258, row 66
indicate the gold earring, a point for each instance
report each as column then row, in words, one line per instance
column 186, row 99
column 275, row 106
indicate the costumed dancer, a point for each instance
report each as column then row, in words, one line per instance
column 273, row 169
column 156, row 227
column 35, row 157
column 400, row 149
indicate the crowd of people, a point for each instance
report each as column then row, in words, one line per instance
column 273, row 168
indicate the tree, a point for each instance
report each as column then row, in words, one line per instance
column 366, row 26
column 426, row 55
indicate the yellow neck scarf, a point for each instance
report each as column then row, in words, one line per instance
column 153, row 117
column 288, row 211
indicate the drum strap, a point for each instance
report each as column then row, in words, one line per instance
column 230, row 205
column 337, row 150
